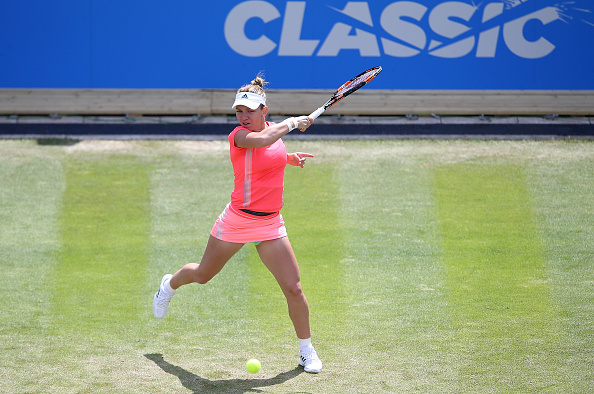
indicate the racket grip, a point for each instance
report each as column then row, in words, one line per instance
column 317, row 113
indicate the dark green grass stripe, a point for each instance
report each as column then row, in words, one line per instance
column 499, row 296
column 312, row 216
column 103, row 226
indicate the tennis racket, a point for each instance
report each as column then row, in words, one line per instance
column 347, row 88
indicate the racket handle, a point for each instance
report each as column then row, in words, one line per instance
column 317, row 113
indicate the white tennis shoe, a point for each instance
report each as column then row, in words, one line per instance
column 161, row 299
column 309, row 360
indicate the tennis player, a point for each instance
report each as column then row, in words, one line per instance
column 259, row 158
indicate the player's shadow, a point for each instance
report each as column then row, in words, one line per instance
column 202, row 385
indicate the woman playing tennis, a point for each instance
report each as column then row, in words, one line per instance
column 259, row 159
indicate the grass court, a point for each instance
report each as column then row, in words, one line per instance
column 429, row 266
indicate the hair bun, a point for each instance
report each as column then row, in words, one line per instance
column 256, row 86
column 259, row 81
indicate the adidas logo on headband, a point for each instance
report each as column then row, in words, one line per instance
column 251, row 100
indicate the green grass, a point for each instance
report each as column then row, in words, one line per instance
column 429, row 266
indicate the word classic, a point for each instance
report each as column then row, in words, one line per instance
column 451, row 29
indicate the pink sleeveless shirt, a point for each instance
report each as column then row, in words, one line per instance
column 259, row 175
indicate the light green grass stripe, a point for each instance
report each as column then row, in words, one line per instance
column 397, row 318
column 31, row 186
column 210, row 330
column 104, row 229
column 564, row 192
column 188, row 192
column 498, row 291
column 310, row 215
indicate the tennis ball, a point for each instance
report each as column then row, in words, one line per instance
column 253, row 365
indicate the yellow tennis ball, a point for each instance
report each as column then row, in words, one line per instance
column 253, row 365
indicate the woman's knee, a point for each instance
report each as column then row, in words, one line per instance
column 200, row 277
column 293, row 291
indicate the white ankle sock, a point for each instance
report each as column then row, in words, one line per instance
column 167, row 287
column 303, row 343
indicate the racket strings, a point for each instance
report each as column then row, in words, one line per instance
column 358, row 82
column 353, row 85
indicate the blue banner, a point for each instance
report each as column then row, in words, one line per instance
column 191, row 44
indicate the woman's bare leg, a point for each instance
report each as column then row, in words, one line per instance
column 216, row 255
column 278, row 256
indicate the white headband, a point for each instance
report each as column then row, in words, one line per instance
column 250, row 100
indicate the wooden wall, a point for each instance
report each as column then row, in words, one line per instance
column 209, row 102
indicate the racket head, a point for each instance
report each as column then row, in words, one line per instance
column 353, row 85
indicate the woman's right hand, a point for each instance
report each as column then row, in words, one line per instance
column 304, row 122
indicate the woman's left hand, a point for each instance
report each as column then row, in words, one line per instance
column 298, row 158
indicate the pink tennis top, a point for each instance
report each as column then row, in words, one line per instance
column 259, row 175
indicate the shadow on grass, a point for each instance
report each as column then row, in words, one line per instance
column 199, row 384
column 57, row 141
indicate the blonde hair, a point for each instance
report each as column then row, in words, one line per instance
column 257, row 86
